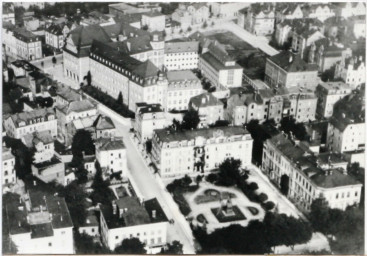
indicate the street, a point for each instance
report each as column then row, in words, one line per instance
column 149, row 188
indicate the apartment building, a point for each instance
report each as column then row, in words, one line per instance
column 41, row 225
column 351, row 70
column 345, row 134
column 320, row 11
column 328, row 94
column 29, row 45
column 304, row 177
column 8, row 40
column 287, row 69
column 349, row 9
column 42, row 143
column 111, row 155
column 8, row 14
column 21, row 124
column 115, row 72
column 76, row 52
column 128, row 217
column 209, row 108
column 155, row 21
column 303, row 37
column 227, row 10
column 55, row 35
column 8, row 172
column 181, row 55
column 148, row 118
column 258, row 18
column 182, row 86
column 177, row 153
column 288, row 11
column 219, row 68
column 188, row 14
column 302, row 106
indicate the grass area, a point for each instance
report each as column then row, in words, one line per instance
column 212, row 195
column 237, row 47
column 238, row 215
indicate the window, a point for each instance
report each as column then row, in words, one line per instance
column 49, row 244
column 116, row 237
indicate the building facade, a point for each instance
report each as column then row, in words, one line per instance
column 181, row 55
column 8, row 171
column 209, row 108
column 177, row 153
column 351, row 70
column 29, row 45
column 258, row 19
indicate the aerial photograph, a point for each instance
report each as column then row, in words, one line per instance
column 183, row 127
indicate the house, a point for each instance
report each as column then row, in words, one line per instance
column 148, row 117
column 177, row 153
column 304, row 177
column 9, row 176
column 319, row 11
column 90, row 226
column 127, row 218
column 357, row 24
column 76, row 51
column 349, row 9
column 66, row 95
column 154, row 21
column 43, row 145
column 182, row 85
column 111, row 155
column 226, row 10
column 50, row 170
column 41, row 226
column 189, row 14
column 29, row 45
column 8, row 14
column 74, row 110
column 21, row 124
column 55, row 35
column 137, row 81
column 328, row 94
column 326, row 53
column 181, row 55
column 220, row 68
column 258, row 18
column 287, row 69
column 8, row 40
column 209, row 108
column 303, row 37
column 351, row 70
column 288, row 11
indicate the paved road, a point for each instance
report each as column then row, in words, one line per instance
column 150, row 188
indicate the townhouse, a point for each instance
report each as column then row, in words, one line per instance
column 209, row 108
column 42, row 143
column 154, row 21
column 191, row 152
column 8, row 172
column 258, row 18
column 29, row 45
column 227, row 10
column 351, row 70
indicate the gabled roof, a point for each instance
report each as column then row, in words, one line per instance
column 291, row 62
column 178, row 47
column 103, row 123
column 84, row 35
column 31, row 115
column 76, row 106
column 205, row 100
column 146, row 69
column 106, row 144
column 31, row 140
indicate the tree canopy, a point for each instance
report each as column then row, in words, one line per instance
column 131, row 246
column 101, row 191
column 229, row 172
column 84, row 244
column 190, row 120
column 289, row 125
column 173, row 248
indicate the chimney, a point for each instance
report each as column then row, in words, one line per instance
column 154, row 214
column 203, row 100
column 19, row 224
column 128, row 45
column 61, row 218
column 34, row 183
column 290, row 58
column 114, row 208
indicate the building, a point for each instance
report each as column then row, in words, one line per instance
column 288, row 11
column 349, row 9
column 121, row 9
column 128, row 218
column 8, row 172
column 43, row 145
column 303, row 37
column 304, row 177
column 351, row 70
column 9, row 42
column 326, row 53
column 31, row 23
column 55, row 35
column 154, row 21
column 182, row 85
column 302, row 106
column 209, row 108
column 345, row 134
column 319, row 11
column 328, row 94
column 65, row 95
column 189, row 14
column 177, row 153
column 76, row 52
column 41, row 225
column 91, row 226
column 137, row 81
column 287, row 69
column 111, row 155
column 21, row 124
column 358, row 26
column 219, row 68
column 181, row 55
column 29, row 45
column 258, row 19
column 8, row 14
column 227, row 10
column 148, row 118
column 50, row 171
column 72, row 111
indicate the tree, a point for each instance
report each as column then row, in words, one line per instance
column 54, row 60
column 189, row 29
column 101, row 191
column 205, row 25
column 89, row 79
column 190, row 120
column 220, row 123
column 173, row 248
column 82, row 142
column 145, row 27
column 120, row 99
column 148, row 146
column 8, row 246
column 131, row 246
column 84, row 244
column 229, row 172
column 289, row 126
column 199, row 179
column 319, row 215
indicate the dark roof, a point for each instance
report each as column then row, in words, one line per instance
column 153, row 14
column 139, row 44
column 335, row 179
column 217, row 65
column 76, row 106
column 288, row 149
column 25, row 35
column 41, row 230
column 84, row 35
column 291, row 62
column 181, row 46
column 150, row 108
column 153, row 205
column 104, row 123
column 31, row 115
column 104, row 144
column 205, row 100
column 55, row 29
column 166, row 135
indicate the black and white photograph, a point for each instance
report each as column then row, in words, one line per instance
column 183, row 127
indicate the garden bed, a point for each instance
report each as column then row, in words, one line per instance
column 238, row 215
column 254, row 211
column 212, row 195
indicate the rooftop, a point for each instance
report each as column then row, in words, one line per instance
column 76, row 106
column 181, row 75
column 31, row 115
column 217, row 65
column 291, row 62
column 149, row 108
column 31, row 140
column 166, row 135
column 205, row 100
column 105, row 144
column 6, row 154
column 178, row 47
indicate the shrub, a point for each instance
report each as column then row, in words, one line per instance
column 253, row 186
column 263, row 197
column 268, row 205
column 212, row 178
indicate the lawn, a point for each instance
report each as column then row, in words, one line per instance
column 236, row 47
column 212, row 195
column 238, row 215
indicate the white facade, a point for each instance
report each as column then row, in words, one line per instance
column 203, row 153
column 353, row 9
column 111, row 155
column 353, row 75
column 227, row 10
column 29, row 50
column 149, row 118
column 321, row 12
column 8, row 171
column 181, row 55
column 351, row 138
column 75, row 68
column 54, row 40
column 9, row 42
column 154, row 21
